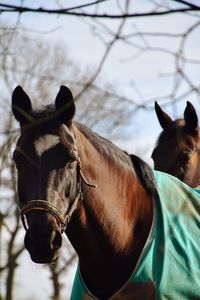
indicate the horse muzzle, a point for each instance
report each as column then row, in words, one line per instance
column 43, row 237
column 43, row 244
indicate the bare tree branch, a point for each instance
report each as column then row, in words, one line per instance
column 187, row 3
column 65, row 11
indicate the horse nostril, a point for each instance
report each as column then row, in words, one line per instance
column 56, row 240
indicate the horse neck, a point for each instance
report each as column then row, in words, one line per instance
column 112, row 224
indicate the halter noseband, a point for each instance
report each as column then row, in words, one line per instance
column 42, row 205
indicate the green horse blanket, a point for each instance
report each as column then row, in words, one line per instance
column 169, row 265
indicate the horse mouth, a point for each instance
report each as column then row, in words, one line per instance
column 43, row 251
column 43, row 260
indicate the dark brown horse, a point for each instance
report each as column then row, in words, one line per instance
column 178, row 148
column 71, row 180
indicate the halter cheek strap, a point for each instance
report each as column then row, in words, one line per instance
column 45, row 206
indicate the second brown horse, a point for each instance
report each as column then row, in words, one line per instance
column 178, row 147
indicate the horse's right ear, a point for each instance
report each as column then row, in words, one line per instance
column 65, row 105
column 164, row 119
column 190, row 116
column 21, row 105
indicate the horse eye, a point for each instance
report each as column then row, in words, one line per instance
column 186, row 155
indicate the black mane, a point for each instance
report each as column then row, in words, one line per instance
column 145, row 174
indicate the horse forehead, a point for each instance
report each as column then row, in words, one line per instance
column 180, row 122
column 45, row 142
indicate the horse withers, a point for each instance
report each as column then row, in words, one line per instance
column 177, row 151
column 131, row 241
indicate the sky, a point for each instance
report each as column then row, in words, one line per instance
column 150, row 72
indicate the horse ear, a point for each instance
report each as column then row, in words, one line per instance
column 64, row 104
column 163, row 117
column 21, row 105
column 190, row 116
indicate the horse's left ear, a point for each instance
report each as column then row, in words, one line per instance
column 163, row 118
column 65, row 105
column 190, row 116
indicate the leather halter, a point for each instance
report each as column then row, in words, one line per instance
column 45, row 206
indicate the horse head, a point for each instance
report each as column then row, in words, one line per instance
column 46, row 158
column 177, row 151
